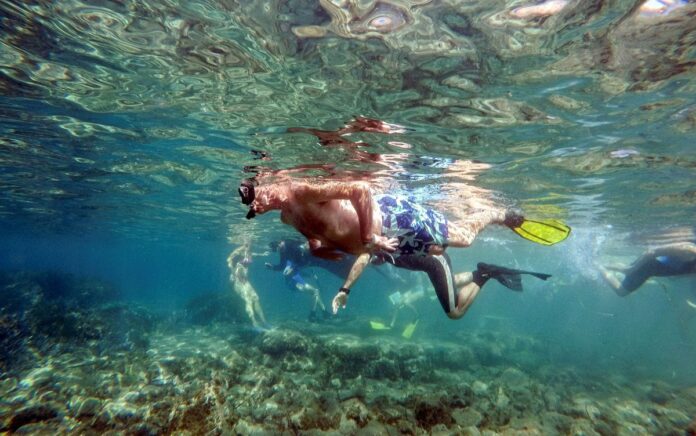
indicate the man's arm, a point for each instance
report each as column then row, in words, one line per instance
column 272, row 267
column 355, row 272
column 282, row 262
column 360, row 197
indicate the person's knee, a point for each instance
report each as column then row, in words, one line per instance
column 454, row 314
column 622, row 292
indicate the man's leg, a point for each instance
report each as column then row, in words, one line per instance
column 454, row 302
column 463, row 233
column 612, row 281
column 468, row 290
column 634, row 276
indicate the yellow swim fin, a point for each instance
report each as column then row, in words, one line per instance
column 408, row 331
column 546, row 232
column 376, row 325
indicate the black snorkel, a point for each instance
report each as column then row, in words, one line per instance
column 248, row 193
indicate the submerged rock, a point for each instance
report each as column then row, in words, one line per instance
column 32, row 414
column 467, row 417
column 210, row 379
column 429, row 413
column 281, row 342
column 88, row 407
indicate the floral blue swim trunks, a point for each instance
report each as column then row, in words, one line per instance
column 416, row 227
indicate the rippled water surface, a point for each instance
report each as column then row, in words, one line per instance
column 140, row 116
column 128, row 125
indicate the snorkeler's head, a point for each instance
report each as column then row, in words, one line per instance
column 247, row 193
column 276, row 245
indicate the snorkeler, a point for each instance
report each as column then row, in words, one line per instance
column 238, row 262
column 294, row 256
column 401, row 301
column 668, row 260
column 344, row 217
column 294, row 259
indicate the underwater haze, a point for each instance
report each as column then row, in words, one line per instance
column 127, row 127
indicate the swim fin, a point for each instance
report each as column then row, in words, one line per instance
column 508, row 277
column 376, row 325
column 408, row 331
column 546, row 232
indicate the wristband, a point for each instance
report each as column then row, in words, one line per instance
column 344, row 290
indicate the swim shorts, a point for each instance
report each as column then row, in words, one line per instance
column 416, row 227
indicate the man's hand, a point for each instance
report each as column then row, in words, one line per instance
column 383, row 243
column 339, row 300
column 268, row 265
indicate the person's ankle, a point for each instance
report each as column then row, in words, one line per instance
column 513, row 218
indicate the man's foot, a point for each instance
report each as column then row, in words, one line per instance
column 513, row 219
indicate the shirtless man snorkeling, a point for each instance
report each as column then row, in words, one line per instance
column 346, row 217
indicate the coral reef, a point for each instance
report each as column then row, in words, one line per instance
column 49, row 312
column 79, row 362
column 312, row 379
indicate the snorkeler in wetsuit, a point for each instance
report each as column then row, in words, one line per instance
column 294, row 258
column 669, row 260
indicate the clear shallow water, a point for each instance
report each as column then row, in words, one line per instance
column 128, row 126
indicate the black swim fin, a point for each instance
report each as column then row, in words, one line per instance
column 508, row 277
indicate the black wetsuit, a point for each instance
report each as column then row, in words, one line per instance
column 294, row 254
column 657, row 266
column 439, row 270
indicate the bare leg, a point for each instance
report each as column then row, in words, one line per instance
column 463, row 278
column 467, row 295
column 613, row 282
column 317, row 301
column 258, row 309
column 463, row 234
column 248, row 306
column 468, row 291
column 396, row 314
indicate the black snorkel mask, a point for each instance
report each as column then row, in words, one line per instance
column 248, row 193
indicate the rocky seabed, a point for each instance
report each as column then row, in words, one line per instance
column 294, row 380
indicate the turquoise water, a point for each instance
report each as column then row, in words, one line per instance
column 127, row 127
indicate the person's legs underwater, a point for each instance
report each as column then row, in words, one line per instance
column 457, row 293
